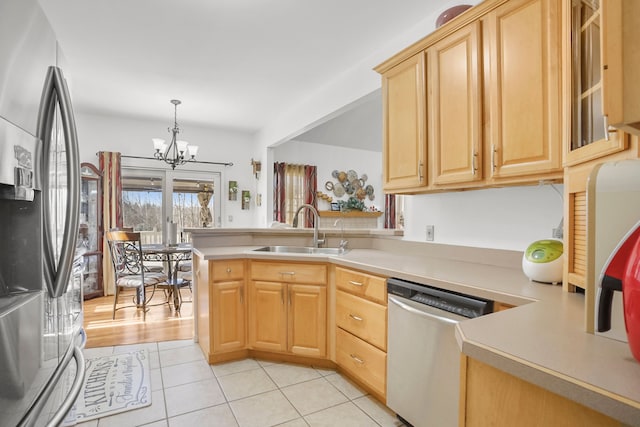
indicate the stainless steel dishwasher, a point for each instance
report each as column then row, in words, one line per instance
column 423, row 358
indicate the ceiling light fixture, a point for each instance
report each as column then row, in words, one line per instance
column 174, row 153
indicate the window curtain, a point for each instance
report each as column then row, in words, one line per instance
column 204, row 197
column 310, row 193
column 294, row 185
column 110, row 167
column 279, row 209
column 389, row 211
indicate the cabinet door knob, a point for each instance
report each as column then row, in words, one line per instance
column 228, row 269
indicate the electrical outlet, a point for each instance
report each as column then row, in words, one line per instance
column 430, row 231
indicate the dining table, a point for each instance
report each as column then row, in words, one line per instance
column 170, row 256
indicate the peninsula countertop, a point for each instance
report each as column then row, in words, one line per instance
column 542, row 340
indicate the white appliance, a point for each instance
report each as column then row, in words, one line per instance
column 40, row 271
column 613, row 210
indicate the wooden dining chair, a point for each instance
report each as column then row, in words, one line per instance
column 129, row 270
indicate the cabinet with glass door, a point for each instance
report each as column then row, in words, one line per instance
column 597, row 78
column 601, row 58
column 90, row 233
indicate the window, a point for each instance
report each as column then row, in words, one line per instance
column 152, row 198
column 142, row 206
column 193, row 202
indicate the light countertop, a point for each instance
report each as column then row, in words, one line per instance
column 541, row 341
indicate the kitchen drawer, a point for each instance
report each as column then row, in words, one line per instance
column 362, row 284
column 362, row 360
column 289, row 272
column 364, row 319
column 225, row 270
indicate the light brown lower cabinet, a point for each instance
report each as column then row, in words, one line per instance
column 267, row 316
column 288, row 308
column 361, row 328
column 491, row 397
column 365, row 362
column 221, row 305
column 228, row 316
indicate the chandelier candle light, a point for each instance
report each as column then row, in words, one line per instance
column 174, row 153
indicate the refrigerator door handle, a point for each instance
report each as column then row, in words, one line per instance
column 55, row 92
column 76, row 387
column 30, row 418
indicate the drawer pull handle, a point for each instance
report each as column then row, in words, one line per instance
column 290, row 273
column 228, row 269
column 357, row 359
column 354, row 317
column 355, row 283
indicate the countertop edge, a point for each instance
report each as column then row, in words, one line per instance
column 562, row 307
column 589, row 395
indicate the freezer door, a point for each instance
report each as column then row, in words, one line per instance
column 27, row 46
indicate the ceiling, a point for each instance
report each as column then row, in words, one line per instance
column 358, row 125
column 234, row 64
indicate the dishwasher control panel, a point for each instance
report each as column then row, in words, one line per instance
column 463, row 305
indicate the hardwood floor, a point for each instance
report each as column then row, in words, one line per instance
column 162, row 322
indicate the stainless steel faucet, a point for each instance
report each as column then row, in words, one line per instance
column 343, row 243
column 316, row 220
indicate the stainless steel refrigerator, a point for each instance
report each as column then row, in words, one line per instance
column 41, row 335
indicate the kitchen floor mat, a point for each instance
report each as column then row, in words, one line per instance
column 114, row 384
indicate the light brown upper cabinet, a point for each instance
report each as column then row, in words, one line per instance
column 620, row 20
column 404, row 126
column 494, row 98
column 602, row 88
column 455, row 106
column 524, row 89
column 595, row 82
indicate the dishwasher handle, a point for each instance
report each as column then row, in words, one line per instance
column 407, row 307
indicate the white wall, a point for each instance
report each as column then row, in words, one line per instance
column 133, row 137
column 507, row 218
column 500, row 218
column 328, row 158
column 341, row 89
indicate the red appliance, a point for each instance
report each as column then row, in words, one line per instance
column 622, row 273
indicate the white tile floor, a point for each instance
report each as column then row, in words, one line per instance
column 186, row 391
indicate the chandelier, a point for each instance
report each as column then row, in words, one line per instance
column 174, row 153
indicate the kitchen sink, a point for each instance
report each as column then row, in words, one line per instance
column 302, row 250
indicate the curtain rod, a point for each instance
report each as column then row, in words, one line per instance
column 189, row 161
